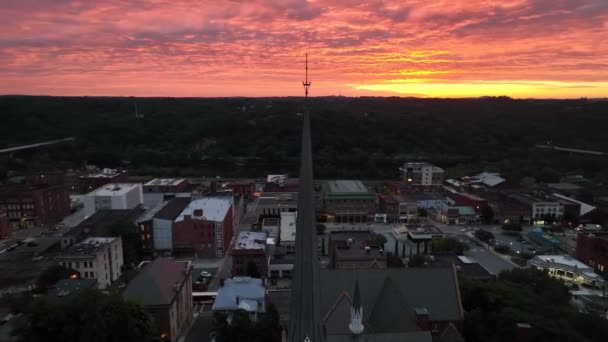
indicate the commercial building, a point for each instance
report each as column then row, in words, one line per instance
column 91, row 181
column 467, row 200
column 33, row 204
column 164, row 287
column 355, row 250
column 426, row 200
column 272, row 204
column 166, row 185
column 398, row 208
column 249, row 247
column 281, row 183
column 592, row 249
column 204, row 228
column 422, row 174
column 348, row 201
column 242, row 188
column 161, row 227
column 159, row 190
column 270, row 226
column 99, row 224
column 540, row 208
column 95, row 258
column 422, row 235
column 5, row 231
column 458, row 215
column 287, row 232
column 113, row 196
column 568, row 269
column 241, row 293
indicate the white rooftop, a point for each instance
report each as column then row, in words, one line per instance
column 114, row 189
column 288, row 226
column 276, row 178
column 563, row 260
column 489, row 179
column 165, row 181
column 250, row 240
column 214, row 209
column 105, row 173
column 250, row 292
column 100, row 240
column 585, row 208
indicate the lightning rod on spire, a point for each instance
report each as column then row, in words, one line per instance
column 306, row 83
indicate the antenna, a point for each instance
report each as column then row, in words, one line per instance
column 137, row 115
column 306, row 83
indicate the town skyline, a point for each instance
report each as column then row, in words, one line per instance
column 522, row 49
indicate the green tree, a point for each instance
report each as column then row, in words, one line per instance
column 131, row 241
column 321, row 229
column 487, row 214
column 422, row 212
column 86, row 316
column 241, row 328
column 380, row 240
column 52, row 275
column 449, row 244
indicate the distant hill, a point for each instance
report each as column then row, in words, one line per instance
column 365, row 137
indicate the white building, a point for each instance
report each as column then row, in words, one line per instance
column 425, row 174
column 287, row 231
column 270, row 226
column 97, row 258
column 241, row 293
column 568, row 269
column 113, row 196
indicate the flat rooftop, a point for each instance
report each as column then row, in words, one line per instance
column 214, row 209
column 250, row 240
column 165, row 181
column 105, row 173
column 423, row 196
column 346, row 186
column 114, row 189
column 278, row 199
column 288, row 226
column 87, row 249
column 564, row 260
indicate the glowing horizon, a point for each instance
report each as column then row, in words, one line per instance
column 216, row 48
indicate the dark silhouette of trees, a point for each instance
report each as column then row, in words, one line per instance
column 52, row 275
column 86, row 316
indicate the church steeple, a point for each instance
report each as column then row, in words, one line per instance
column 305, row 319
column 356, row 312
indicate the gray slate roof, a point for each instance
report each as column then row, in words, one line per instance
column 155, row 283
column 389, row 296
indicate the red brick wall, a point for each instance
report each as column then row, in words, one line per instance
column 390, row 207
column 466, row 201
column 52, row 204
column 592, row 250
column 198, row 236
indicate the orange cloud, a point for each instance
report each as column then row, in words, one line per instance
column 520, row 48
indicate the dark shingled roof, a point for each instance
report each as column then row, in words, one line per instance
column 414, row 336
column 155, row 283
column 98, row 223
column 391, row 293
column 172, row 210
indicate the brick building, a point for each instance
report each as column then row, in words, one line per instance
column 467, row 200
column 166, row 185
column 249, row 247
column 243, row 187
column 592, row 249
column 348, row 201
column 5, row 231
column 164, row 287
column 92, row 181
column 204, row 228
column 397, row 208
column 355, row 250
column 35, row 204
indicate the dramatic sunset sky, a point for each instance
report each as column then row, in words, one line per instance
column 428, row 48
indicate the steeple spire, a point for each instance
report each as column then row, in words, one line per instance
column 305, row 318
column 356, row 312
